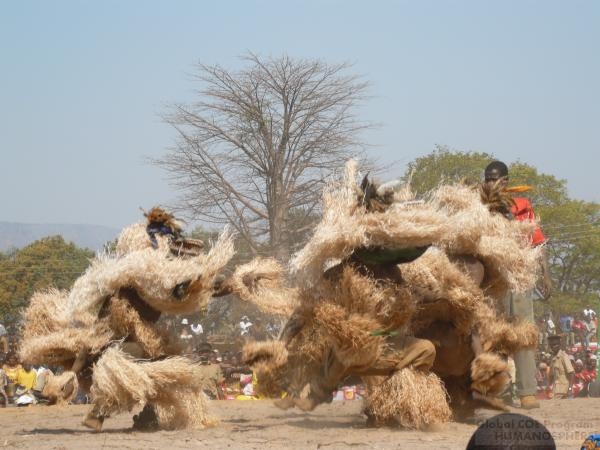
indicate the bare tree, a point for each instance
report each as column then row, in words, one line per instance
column 256, row 147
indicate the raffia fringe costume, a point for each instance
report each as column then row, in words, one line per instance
column 403, row 294
column 105, row 333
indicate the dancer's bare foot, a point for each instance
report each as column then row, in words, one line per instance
column 93, row 422
column 285, row 403
column 305, row 404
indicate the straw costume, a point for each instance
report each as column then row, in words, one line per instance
column 403, row 294
column 105, row 333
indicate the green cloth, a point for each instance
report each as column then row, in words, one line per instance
column 381, row 255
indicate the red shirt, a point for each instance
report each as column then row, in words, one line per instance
column 522, row 210
column 588, row 375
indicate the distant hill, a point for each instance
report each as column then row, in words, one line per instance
column 18, row 235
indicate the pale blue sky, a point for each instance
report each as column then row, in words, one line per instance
column 83, row 84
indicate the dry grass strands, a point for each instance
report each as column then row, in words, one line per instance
column 184, row 409
column 261, row 282
column 409, row 398
column 339, row 234
column 353, row 342
column 61, row 347
column 268, row 360
column 154, row 275
column 495, row 197
column 265, row 355
column 503, row 337
column 445, row 291
column 51, row 335
column 125, row 321
column 307, row 354
column 135, row 237
column 40, row 317
column 61, row 389
column 499, row 243
column 489, row 374
column 120, row 383
column 343, row 298
column 390, row 302
column 455, row 219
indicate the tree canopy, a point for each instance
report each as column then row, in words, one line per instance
column 48, row 262
column 444, row 166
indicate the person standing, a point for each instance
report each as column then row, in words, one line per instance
column 588, row 312
column 580, row 329
column 520, row 305
column 590, row 331
column 561, row 369
column 566, row 324
column 197, row 329
column 245, row 325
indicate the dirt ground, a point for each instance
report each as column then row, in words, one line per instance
column 260, row 425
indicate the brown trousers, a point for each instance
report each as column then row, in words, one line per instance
column 404, row 351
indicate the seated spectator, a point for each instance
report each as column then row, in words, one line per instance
column 24, row 384
column 542, row 377
column 23, row 397
column 590, row 368
column 232, row 373
column 589, row 354
column 594, row 384
column 209, row 374
column 247, row 383
column 579, row 380
column 26, row 377
column 11, row 368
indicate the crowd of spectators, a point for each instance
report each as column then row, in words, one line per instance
column 21, row 384
column 566, row 362
column 567, row 357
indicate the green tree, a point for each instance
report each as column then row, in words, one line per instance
column 444, row 166
column 573, row 230
column 48, row 262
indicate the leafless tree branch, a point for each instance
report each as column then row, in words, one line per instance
column 256, row 147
